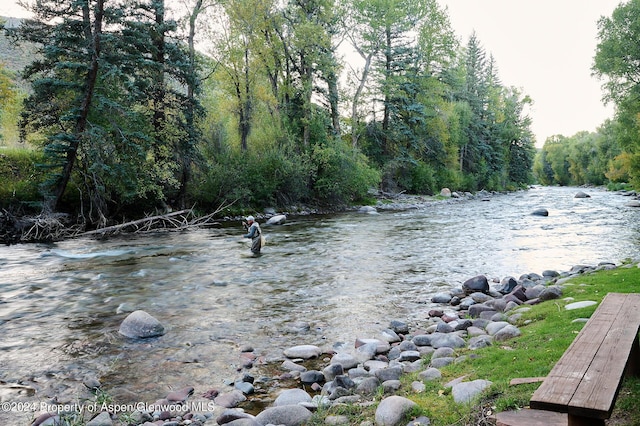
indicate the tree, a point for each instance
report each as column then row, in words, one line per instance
column 64, row 80
column 617, row 60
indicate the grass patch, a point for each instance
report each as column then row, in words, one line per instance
column 547, row 331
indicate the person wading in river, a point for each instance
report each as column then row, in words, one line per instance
column 255, row 233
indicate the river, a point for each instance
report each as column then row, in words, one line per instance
column 345, row 275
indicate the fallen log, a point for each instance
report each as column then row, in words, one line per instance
column 174, row 220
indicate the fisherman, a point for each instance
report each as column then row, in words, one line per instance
column 254, row 232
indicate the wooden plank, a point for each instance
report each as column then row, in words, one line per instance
column 529, row 417
column 597, row 392
column 525, row 380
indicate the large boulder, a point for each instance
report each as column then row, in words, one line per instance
column 277, row 219
column 477, row 283
column 141, row 325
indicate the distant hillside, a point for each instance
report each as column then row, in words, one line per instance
column 14, row 57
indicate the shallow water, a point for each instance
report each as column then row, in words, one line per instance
column 345, row 275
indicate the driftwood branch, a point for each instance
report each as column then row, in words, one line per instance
column 175, row 221
column 56, row 227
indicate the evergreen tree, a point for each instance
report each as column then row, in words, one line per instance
column 64, row 80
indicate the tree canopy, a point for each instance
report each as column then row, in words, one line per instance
column 263, row 102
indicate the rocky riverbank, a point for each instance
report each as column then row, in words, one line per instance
column 306, row 380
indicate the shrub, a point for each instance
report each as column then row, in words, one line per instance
column 20, row 178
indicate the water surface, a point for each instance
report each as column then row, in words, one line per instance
column 345, row 275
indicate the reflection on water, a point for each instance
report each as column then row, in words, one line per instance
column 346, row 275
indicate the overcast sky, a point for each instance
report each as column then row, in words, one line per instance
column 543, row 47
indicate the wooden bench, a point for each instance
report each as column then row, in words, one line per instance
column 585, row 381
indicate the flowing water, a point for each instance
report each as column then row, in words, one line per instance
column 345, row 275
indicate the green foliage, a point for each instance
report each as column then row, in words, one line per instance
column 20, row 178
column 341, row 174
column 408, row 175
column 254, row 178
column 583, row 159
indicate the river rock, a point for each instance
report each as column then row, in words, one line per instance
column 249, row 421
column 550, row 293
column 581, row 194
column 466, row 392
column 230, row 399
column 331, row 371
column 479, row 342
column 102, row 419
column 347, row 361
column 445, row 192
column 277, row 220
column 476, row 309
column 311, row 376
column 392, row 410
column 303, row 351
column 430, row 374
column 633, row 203
column 399, row 327
column 180, row 395
column 389, row 373
column 390, row 336
column 292, row 397
column 244, row 387
column 506, row 333
column 367, row 210
column 450, row 340
column 292, row 366
column 477, row 283
column 441, row 362
column 493, row 327
column 441, row 298
column 540, row 212
column 287, row 415
column 409, row 356
column 229, row 415
column 422, row 340
column 368, row 386
column 579, row 305
column 508, row 284
column 141, row 325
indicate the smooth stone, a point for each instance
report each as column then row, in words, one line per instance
column 466, row 392
column 230, row 399
column 346, row 360
column 292, row 397
column 392, row 410
column 430, row 374
column 506, row 333
column 102, row 419
column 579, row 305
column 277, row 220
column 303, row 351
column 140, row 325
column 287, row 415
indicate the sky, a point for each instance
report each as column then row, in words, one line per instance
column 545, row 48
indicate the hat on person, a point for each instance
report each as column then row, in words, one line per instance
column 250, row 219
